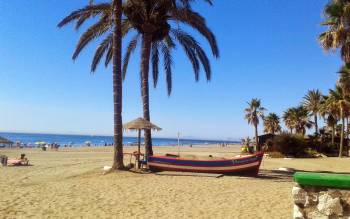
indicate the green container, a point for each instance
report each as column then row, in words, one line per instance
column 341, row 181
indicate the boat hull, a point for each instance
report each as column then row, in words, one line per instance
column 248, row 165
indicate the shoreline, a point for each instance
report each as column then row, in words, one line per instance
column 109, row 147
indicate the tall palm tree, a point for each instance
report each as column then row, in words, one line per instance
column 337, row 15
column 313, row 103
column 109, row 21
column 337, row 98
column 344, row 83
column 253, row 114
column 158, row 26
column 272, row 123
column 150, row 20
column 117, row 85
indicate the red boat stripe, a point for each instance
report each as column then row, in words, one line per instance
column 195, row 164
column 248, row 169
column 159, row 165
column 211, row 160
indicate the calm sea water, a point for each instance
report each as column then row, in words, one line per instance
column 78, row 140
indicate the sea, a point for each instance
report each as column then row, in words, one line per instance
column 31, row 140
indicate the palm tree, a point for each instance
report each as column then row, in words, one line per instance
column 337, row 98
column 272, row 123
column 337, row 35
column 313, row 102
column 330, row 112
column 296, row 118
column 109, row 21
column 153, row 22
column 289, row 120
column 150, row 20
column 302, row 121
column 344, row 80
column 344, row 83
column 252, row 114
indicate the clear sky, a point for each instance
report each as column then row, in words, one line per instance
column 269, row 50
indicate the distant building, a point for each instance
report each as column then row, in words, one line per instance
column 262, row 139
column 5, row 142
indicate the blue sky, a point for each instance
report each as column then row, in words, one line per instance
column 269, row 50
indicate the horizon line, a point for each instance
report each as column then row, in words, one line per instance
column 107, row 135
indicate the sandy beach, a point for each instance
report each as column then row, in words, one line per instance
column 69, row 184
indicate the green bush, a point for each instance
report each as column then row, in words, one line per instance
column 290, row 145
column 329, row 149
column 276, row 154
column 311, row 153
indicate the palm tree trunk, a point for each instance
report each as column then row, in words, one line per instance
column 291, row 130
column 316, row 125
column 347, row 127
column 117, row 87
column 341, row 133
column 257, row 148
column 145, row 57
column 347, row 137
column 333, row 133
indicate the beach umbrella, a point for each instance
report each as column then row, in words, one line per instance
column 5, row 142
column 40, row 142
column 140, row 124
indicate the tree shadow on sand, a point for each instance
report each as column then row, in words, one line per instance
column 283, row 176
column 275, row 175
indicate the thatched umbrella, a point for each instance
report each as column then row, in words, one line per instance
column 140, row 124
column 4, row 142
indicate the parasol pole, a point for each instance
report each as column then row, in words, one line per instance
column 138, row 150
column 178, row 144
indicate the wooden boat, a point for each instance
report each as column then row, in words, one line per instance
column 242, row 165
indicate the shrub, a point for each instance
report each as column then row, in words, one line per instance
column 290, row 145
column 311, row 153
column 276, row 155
column 268, row 146
column 329, row 149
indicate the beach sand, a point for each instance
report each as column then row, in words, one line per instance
column 69, row 184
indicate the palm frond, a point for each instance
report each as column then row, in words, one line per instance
column 109, row 56
column 155, row 63
column 85, row 13
column 129, row 50
column 167, row 66
column 197, row 22
column 192, row 48
column 100, row 51
column 90, row 34
column 187, row 43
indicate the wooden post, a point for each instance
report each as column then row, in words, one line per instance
column 138, row 150
column 178, row 144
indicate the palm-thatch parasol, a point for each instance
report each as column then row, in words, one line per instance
column 140, row 124
column 4, row 142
